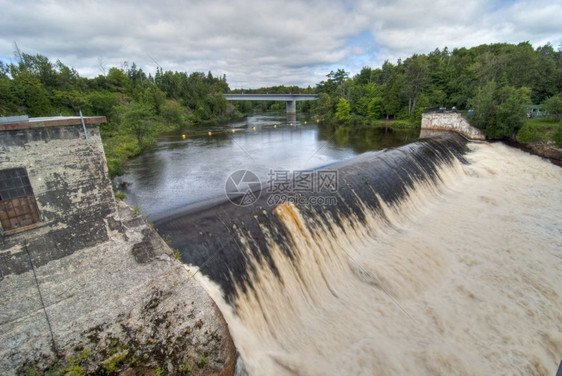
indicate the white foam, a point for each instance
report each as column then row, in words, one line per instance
column 464, row 279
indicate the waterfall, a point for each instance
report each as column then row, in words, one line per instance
column 439, row 257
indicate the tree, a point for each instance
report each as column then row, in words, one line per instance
column 69, row 99
column 173, row 114
column 138, row 119
column 102, row 102
column 30, row 94
column 483, row 105
column 553, row 106
column 324, row 104
column 343, row 110
column 499, row 110
column 510, row 114
column 375, row 106
column 416, row 79
column 391, row 95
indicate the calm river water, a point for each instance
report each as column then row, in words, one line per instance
column 182, row 171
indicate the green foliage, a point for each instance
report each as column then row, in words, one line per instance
column 324, row 104
column 375, row 107
column 138, row 119
column 185, row 368
column 111, row 364
column 490, row 79
column 483, row 105
column 510, row 115
column 167, row 238
column 202, row 362
column 177, row 254
column 74, row 367
column 499, row 110
column 174, row 115
column 137, row 106
column 553, row 106
column 120, row 195
column 535, row 130
column 343, row 110
column 118, row 148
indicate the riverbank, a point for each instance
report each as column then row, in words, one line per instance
column 119, row 147
column 542, row 137
column 545, row 149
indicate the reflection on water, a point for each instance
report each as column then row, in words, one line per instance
column 362, row 139
column 185, row 170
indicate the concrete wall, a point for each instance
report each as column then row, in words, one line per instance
column 450, row 121
column 71, row 185
column 93, row 281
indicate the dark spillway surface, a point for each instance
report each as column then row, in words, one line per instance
column 208, row 234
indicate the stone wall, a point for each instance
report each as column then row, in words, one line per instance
column 72, row 189
column 92, row 285
column 450, row 121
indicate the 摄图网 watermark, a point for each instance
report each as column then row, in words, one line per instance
column 314, row 187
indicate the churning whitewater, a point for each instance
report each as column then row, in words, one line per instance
column 460, row 275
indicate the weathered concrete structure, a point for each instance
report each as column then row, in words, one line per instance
column 450, row 121
column 84, row 281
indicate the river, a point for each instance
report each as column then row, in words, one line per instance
column 440, row 256
column 182, row 171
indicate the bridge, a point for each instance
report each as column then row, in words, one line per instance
column 289, row 99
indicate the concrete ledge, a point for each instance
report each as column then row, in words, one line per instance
column 450, row 121
column 51, row 122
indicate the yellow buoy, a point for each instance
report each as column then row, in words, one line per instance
column 274, row 125
column 183, row 137
column 210, row 133
column 234, row 131
column 305, row 121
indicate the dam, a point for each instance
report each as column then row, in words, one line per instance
column 440, row 256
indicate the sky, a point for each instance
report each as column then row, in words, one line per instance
column 258, row 43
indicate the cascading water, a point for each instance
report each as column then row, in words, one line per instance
column 440, row 257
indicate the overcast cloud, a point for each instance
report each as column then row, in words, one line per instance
column 264, row 42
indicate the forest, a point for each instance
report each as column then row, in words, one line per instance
column 137, row 106
column 498, row 82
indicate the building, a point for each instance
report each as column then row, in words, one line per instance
column 83, row 274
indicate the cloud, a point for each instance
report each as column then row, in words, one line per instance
column 261, row 43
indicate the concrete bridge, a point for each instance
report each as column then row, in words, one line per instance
column 289, row 99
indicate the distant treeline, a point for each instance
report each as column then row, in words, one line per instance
column 496, row 81
column 138, row 106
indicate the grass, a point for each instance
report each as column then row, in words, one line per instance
column 535, row 130
column 111, row 364
column 121, row 196
column 118, row 149
column 202, row 362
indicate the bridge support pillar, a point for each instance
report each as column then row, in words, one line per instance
column 291, row 107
